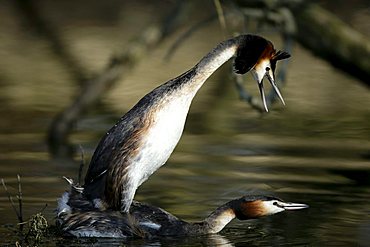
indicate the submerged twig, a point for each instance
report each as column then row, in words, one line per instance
column 37, row 224
column 20, row 204
column 10, row 198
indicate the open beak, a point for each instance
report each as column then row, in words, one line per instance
column 258, row 76
column 270, row 76
column 262, row 92
column 292, row 205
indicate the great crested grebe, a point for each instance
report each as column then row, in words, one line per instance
column 144, row 138
column 78, row 217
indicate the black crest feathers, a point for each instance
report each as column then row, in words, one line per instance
column 250, row 50
column 279, row 55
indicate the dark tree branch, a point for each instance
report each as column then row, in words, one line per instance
column 280, row 18
column 34, row 19
column 187, row 34
column 326, row 35
column 333, row 40
column 116, row 68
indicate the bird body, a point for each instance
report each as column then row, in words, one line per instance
column 138, row 146
column 79, row 218
column 144, row 138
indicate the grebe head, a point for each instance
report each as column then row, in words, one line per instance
column 251, row 207
column 258, row 55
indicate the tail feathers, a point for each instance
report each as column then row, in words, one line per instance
column 75, row 200
column 71, row 201
column 75, row 187
column 78, row 216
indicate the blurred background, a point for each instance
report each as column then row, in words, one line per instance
column 70, row 69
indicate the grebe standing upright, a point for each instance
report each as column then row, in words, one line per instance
column 79, row 218
column 144, row 138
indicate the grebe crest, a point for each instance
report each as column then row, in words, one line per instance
column 144, row 138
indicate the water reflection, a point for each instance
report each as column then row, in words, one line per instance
column 315, row 150
column 269, row 155
column 213, row 240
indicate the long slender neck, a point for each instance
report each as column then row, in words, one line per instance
column 216, row 221
column 209, row 64
column 215, row 58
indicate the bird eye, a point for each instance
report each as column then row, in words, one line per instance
column 267, row 68
column 275, row 203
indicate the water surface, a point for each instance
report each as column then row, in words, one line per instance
column 316, row 150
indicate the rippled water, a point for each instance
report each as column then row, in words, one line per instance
column 316, row 150
column 318, row 159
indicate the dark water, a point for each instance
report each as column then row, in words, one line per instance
column 316, row 150
column 310, row 155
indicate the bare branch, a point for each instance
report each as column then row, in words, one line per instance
column 220, row 14
column 43, row 28
column 187, row 34
column 116, row 68
column 11, row 201
column 20, row 203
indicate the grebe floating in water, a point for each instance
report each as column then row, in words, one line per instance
column 80, row 218
column 144, row 138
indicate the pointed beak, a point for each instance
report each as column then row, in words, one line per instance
column 292, row 205
column 262, row 92
column 270, row 77
column 258, row 74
